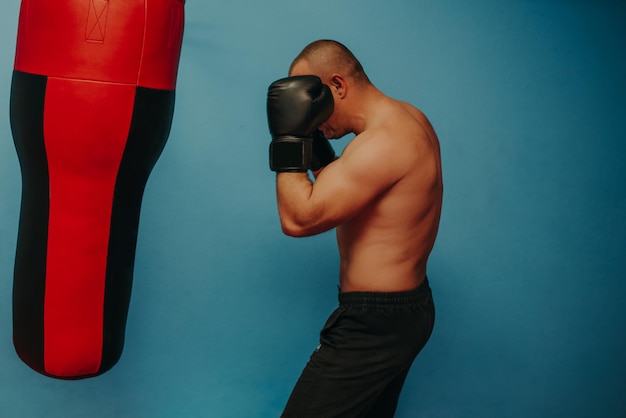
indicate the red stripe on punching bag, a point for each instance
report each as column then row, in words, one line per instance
column 86, row 126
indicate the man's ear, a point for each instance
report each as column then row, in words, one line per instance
column 338, row 84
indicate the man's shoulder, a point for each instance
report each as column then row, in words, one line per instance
column 372, row 140
column 413, row 110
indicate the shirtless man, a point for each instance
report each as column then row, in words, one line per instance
column 383, row 196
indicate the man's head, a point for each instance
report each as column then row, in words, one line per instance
column 340, row 70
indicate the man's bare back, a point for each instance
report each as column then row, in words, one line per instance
column 386, row 246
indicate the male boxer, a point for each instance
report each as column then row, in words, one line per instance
column 383, row 196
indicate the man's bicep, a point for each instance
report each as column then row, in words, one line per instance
column 345, row 187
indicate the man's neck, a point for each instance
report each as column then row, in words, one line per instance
column 365, row 105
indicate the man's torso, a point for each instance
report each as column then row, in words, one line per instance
column 386, row 246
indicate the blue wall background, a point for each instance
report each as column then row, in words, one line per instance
column 529, row 100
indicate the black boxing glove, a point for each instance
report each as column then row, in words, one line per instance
column 296, row 106
column 323, row 152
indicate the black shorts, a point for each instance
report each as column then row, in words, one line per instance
column 366, row 349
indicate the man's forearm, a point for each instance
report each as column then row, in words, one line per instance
column 295, row 206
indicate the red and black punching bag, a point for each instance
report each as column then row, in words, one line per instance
column 92, row 100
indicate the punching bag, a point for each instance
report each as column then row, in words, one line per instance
column 92, row 101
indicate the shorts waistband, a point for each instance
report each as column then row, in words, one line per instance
column 385, row 298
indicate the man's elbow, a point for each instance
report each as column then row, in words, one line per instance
column 302, row 223
column 293, row 228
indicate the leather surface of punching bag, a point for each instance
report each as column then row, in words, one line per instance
column 92, row 101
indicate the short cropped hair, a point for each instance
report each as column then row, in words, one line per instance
column 326, row 56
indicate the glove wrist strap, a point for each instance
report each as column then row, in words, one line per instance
column 290, row 154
